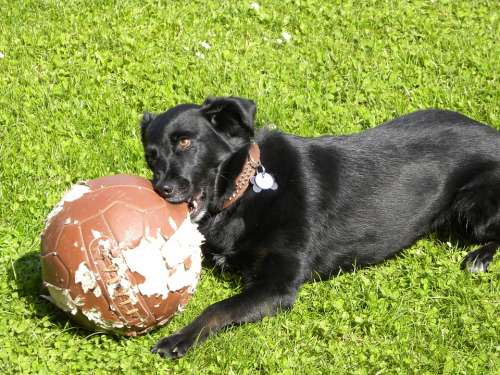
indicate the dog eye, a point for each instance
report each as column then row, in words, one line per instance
column 184, row 143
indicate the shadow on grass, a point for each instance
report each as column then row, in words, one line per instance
column 28, row 277
column 233, row 279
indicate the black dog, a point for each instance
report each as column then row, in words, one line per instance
column 311, row 207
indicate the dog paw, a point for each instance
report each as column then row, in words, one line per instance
column 479, row 260
column 174, row 346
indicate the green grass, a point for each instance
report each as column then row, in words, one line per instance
column 74, row 79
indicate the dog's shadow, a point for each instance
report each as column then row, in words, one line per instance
column 26, row 272
column 233, row 280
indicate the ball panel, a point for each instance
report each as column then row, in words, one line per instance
column 168, row 217
column 70, row 241
column 57, row 215
column 106, row 197
column 51, row 233
column 187, row 263
column 91, row 204
column 54, row 271
column 125, row 223
column 155, row 220
column 137, row 197
column 119, row 180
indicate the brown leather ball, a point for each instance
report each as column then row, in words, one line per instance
column 119, row 258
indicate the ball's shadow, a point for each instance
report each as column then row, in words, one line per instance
column 26, row 272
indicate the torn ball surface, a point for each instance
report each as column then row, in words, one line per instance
column 119, row 258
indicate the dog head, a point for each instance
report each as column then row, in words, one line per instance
column 186, row 146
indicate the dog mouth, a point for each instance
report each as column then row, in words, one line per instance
column 196, row 204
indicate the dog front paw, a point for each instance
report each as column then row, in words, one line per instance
column 174, row 346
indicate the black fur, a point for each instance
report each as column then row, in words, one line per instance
column 342, row 201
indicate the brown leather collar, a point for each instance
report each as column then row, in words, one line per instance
column 243, row 180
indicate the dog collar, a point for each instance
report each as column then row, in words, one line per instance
column 250, row 174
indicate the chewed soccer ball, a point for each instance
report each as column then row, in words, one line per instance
column 119, row 258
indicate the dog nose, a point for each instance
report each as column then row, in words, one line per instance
column 167, row 190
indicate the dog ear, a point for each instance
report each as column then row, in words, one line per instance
column 147, row 118
column 230, row 114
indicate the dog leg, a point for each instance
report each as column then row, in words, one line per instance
column 249, row 306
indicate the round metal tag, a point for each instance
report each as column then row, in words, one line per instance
column 264, row 180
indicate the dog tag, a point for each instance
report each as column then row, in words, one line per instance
column 263, row 181
column 254, row 185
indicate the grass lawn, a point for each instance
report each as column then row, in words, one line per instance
column 75, row 77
